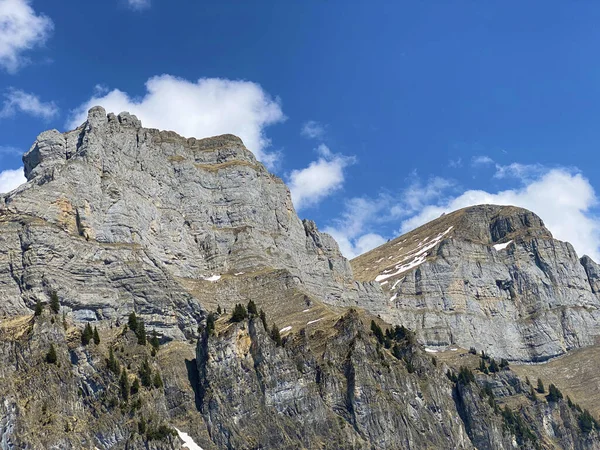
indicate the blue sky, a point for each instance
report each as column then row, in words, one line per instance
column 379, row 115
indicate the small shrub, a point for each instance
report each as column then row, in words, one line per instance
column 472, row 351
column 252, row 310
column 51, row 355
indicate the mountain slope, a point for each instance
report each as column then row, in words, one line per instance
column 489, row 277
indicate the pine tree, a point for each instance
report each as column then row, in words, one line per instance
column 276, row 336
column 142, row 426
column 219, row 309
column 210, row 323
column 493, row 366
column 154, row 342
column 38, row 308
column 540, row 386
column 135, row 386
column 482, row 367
column 252, row 310
column 145, row 373
column 141, row 332
column 54, row 302
column 51, row 355
column 87, row 334
column 554, row 394
column 263, row 318
column 158, row 383
column 112, row 363
column 132, row 322
column 376, row 329
column 239, row 313
column 96, row 336
column 124, row 385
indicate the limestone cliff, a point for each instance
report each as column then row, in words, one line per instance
column 489, row 277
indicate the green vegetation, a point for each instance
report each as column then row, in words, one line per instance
column 135, row 386
column 38, row 308
column 112, row 363
column 145, row 373
column 540, row 386
column 252, row 309
column 465, row 376
column 96, row 336
column 142, row 426
column 239, row 314
column 516, row 425
column 263, row 318
column 54, row 302
column 472, row 351
column 132, row 322
column 586, row 422
column 51, row 355
column 554, row 394
column 210, row 323
column 141, row 332
column 493, row 368
column 87, row 334
column 157, row 381
column 154, row 341
column 276, row 336
column 160, row 433
column 124, row 386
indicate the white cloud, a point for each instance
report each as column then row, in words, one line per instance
column 455, row 163
column 9, row 150
column 138, row 5
column 21, row 29
column 17, row 100
column 320, row 179
column 562, row 199
column 312, row 130
column 208, row 107
column 482, row 161
column 11, row 179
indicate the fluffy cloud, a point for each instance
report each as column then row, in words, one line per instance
column 562, row 198
column 320, row 179
column 207, row 107
column 21, row 29
column 312, row 130
column 360, row 214
column 138, row 5
column 20, row 101
column 10, row 179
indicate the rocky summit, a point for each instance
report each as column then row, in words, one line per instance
column 160, row 292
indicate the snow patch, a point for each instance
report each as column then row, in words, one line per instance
column 499, row 247
column 213, row 278
column 285, row 329
column 385, row 282
column 379, row 260
column 306, row 310
column 411, row 265
column 239, row 273
column 430, row 350
column 313, row 321
column 393, row 297
column 188, row 442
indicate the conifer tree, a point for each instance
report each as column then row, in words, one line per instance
column 154, row 342
column 219, row 309
column 38, row 308
column 145, row 374
column 124, row 385
column 51, row 355
column 263, row 318
column 252, row 310
column 276, row 336
column 141, row 332
column 493, row 366
column 132, row 322
column 112, row 363
column 135, row 386
column 87, row 334
column 158, row 383
column 210, row 323
column 142, row 426
column 239, row 313
column 540, row 386
column 96, row 336
column 54, row 302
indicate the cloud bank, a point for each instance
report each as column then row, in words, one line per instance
column 16, row 100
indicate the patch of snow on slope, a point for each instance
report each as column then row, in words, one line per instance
column 396, row 283
column 306, row 310
column 385, row 282
column 411, row 265
column 188, row 442
column 393, row 297
column 239, row 273
column 283, row 330
column 499, row 247
column 314, row 321
column 213, row 278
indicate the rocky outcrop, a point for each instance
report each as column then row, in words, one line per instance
column 488, row 277
column 117, row 218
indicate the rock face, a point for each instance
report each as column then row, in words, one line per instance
column 117, row 218
column 488, row 277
